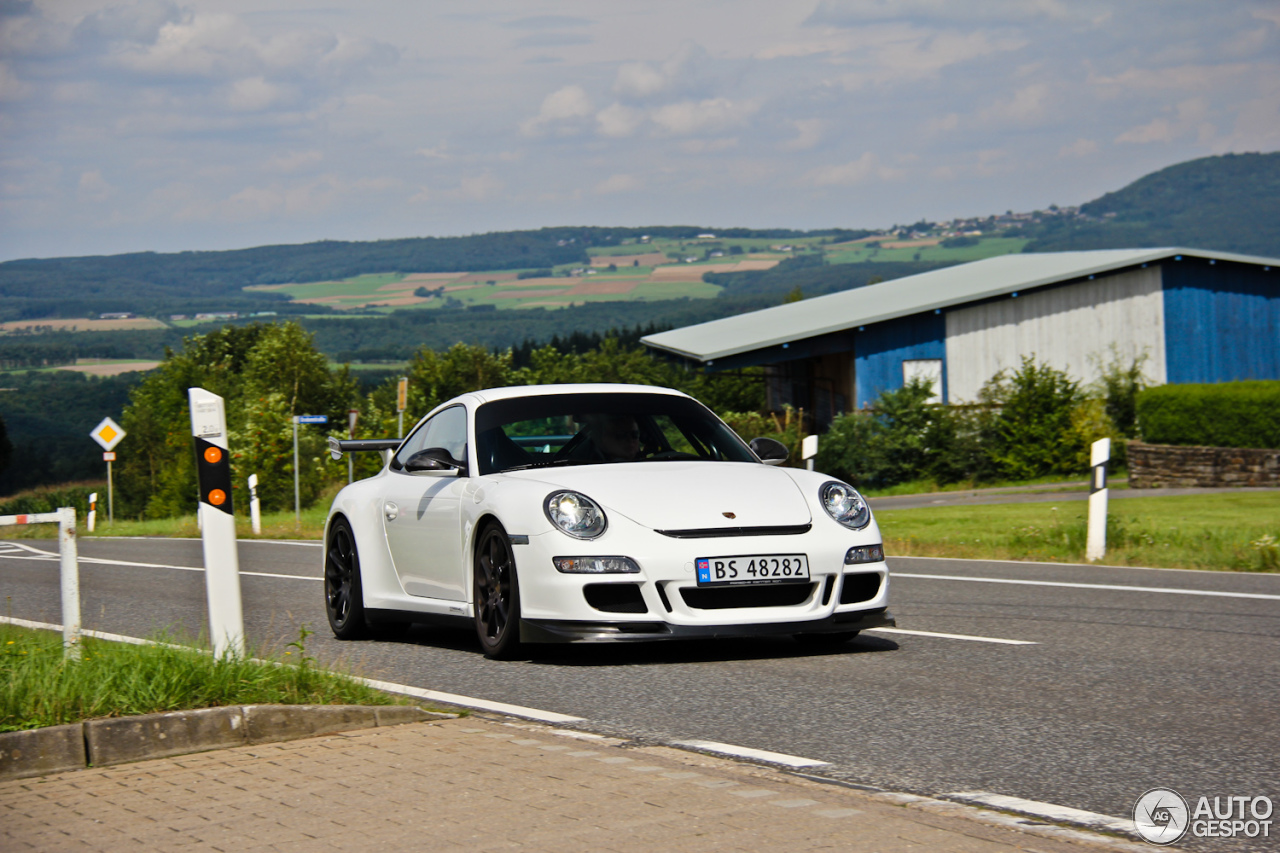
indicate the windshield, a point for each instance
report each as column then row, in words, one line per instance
column 596, row 429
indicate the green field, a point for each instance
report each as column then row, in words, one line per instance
column 626, row 283
column 1218, row 532
column 986, row 248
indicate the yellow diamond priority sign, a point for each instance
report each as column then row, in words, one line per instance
column 108, row 434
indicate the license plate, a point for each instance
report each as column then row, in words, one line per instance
column 752, row 569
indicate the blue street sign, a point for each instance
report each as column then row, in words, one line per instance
column 313, row 419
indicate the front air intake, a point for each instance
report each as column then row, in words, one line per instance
column 615, row 597
column 861, row 586
column 760, row 595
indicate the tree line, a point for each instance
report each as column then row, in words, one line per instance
column 269, row 373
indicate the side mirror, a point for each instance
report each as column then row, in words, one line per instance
column 434, row 459
column 771, row 451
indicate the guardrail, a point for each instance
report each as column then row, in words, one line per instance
column 65, row 518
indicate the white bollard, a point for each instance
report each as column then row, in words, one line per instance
column 1099, row 455
column 255, row 509
column 218, row 528
column 93, row 510
column 69, row 570
column 808, row 450
column 70, row 565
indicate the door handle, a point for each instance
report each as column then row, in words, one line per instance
column 390, row 510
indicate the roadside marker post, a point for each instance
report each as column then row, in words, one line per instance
column 1099, row 456
column 108, row 435
column 297, row 482
column 809, row 449
column 218, row 524
column 93, row 510
column 69, row 571
column 255, row 510
column 352, row 415
column 402, row 403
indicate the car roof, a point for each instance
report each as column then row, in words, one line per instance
column 489, row 395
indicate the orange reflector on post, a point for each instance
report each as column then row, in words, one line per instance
column 217, row 497
column 212, row 455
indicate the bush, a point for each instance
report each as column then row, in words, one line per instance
column 49, row 499
column 903, row 438
column 1033, row 435
column 1229, row 414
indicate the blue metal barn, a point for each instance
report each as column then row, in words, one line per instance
column 1196, row 316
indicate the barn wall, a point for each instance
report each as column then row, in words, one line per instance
column 1222, row 321
column 1069, row 327
column 882, row 347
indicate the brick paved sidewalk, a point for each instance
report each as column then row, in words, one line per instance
column 471, row 785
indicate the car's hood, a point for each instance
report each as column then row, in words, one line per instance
column 685, row 495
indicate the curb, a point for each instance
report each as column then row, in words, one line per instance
column 117, row 740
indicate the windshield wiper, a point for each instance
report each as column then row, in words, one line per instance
column 553, row 463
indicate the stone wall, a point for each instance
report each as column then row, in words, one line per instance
column 1153, row 466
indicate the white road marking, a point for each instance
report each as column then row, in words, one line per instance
column 103, row 561
column 470, row 702
column 1110, row 586
column 747, row 752
column 1045, row 810
column 956, row 637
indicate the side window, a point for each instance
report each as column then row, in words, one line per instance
column 447, row 429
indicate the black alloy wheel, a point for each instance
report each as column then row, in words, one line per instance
column 496, row 593
column 343, row 596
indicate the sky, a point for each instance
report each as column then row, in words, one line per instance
column 168, row 126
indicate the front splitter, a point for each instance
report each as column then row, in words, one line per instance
column 572, row 631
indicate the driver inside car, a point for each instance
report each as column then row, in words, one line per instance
column 615, row 437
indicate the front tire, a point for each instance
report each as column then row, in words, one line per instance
column 343, row 592
column 496, row 593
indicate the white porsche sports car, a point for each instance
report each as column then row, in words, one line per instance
column 570, row 513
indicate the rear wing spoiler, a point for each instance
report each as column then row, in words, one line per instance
column 339, row 446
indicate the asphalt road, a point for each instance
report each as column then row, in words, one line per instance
column 1132, row 678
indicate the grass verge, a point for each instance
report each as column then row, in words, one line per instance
column 38, row 687
column 1224, row 532
column 275, row 525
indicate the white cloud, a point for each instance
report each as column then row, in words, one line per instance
column 254, row 94
column 708, row 146
column 639, row 80
column 1190, row 118
column 93, row 188
column 294, row 160
column 1026, row 105
column 480, row 187
column 849, row 13
column 560, row 111
column 11, row 88
column 689, row 118
column 809, row 132
column 618, row 120
column 618, row 184
column 1079, row 148
column 942, row 124
column 865, row 168
column 440, row 152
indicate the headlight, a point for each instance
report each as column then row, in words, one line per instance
column 575, row 514
column 845, row 505
column 596, row 565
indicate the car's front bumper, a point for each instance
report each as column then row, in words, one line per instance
column 613, row 631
